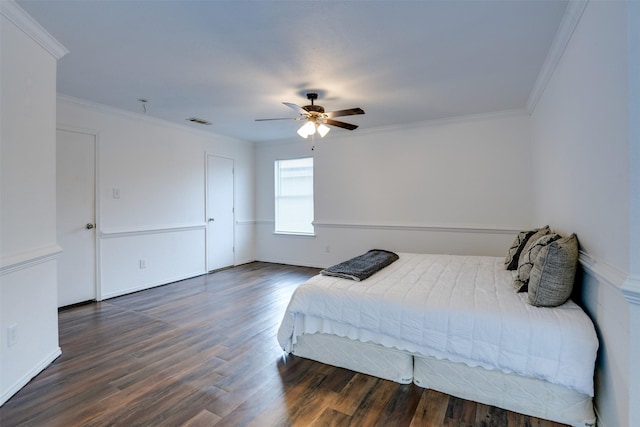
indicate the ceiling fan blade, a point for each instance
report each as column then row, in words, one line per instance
column 297, row 108
column 341, row 113
column 283, row 118
column 343, row 125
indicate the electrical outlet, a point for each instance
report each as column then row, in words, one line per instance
column 327, row 249
column 12, row 335
column 116, row 193
column 143, row 263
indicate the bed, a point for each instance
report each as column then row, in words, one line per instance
column 453, row 324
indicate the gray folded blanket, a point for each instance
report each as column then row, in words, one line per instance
column 362, row 266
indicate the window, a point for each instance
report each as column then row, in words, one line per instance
column 294, row 196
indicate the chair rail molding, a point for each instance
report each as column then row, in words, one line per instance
column 449, row 228
column 631, row 290
column 28, row 259
column 597, row 267
column 127, row 232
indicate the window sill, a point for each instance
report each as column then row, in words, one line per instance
column 292, row 234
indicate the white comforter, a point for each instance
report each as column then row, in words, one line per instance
column 459, row 308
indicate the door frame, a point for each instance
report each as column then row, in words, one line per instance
column 96, row 199
column 206, row 206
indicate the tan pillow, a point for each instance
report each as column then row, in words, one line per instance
column 553, row 273
column 527, row 260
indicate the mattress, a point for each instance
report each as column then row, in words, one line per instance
column 458, row 308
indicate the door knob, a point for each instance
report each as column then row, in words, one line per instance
column 89, row 226
column 211, row 219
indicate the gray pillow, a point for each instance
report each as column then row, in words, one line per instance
column 553, row 273
column 511, row 260
column 529, row 257
column 539, row 233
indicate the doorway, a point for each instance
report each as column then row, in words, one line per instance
column 220, row 212
column 76, row 215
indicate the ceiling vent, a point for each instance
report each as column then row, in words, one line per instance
column 199, row 121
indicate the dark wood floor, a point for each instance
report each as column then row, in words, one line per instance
column 203, row 352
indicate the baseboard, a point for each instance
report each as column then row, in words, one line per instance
column 151, row 285
column 6, row 395
column 288, row 262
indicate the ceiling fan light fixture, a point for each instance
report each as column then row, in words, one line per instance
column 323, row 130
column 307, row 129
column 303, row 132
column 317, row 119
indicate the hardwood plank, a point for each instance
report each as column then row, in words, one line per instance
column 203, row 351
column 203, row 419
column 431, row 409
column 372, row 406
column 354, row 393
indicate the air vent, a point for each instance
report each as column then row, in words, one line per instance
column 199, row 121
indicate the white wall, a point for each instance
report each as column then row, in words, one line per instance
column 159, row 170
column 28, row 264
column 632, row 286
column 458, row 186
column 581, row 184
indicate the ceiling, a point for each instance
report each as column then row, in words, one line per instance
column 231, row 62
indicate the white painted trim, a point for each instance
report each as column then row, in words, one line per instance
column 76, row 129
column 611, row 275
column 246, row 222
column 461, row 228
column 288, row 262
column 298, row 235
column 631, row 290
column 29, row 259
column 21, row 19
column 570, row 20
column 144, row 118
column 154, row 284
column 28, row 376
column 265, row 221
column 128, row 232
column 496, row 115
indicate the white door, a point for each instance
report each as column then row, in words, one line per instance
column 220, row 217
column 75, row 162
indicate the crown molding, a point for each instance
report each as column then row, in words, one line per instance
column 495, row 115
column 570, row 20
column 144, row 118
column 21, row 19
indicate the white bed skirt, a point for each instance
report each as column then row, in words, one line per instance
column 371, row 359
column 524, row 395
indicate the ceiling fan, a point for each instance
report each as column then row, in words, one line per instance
column 316, row 119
